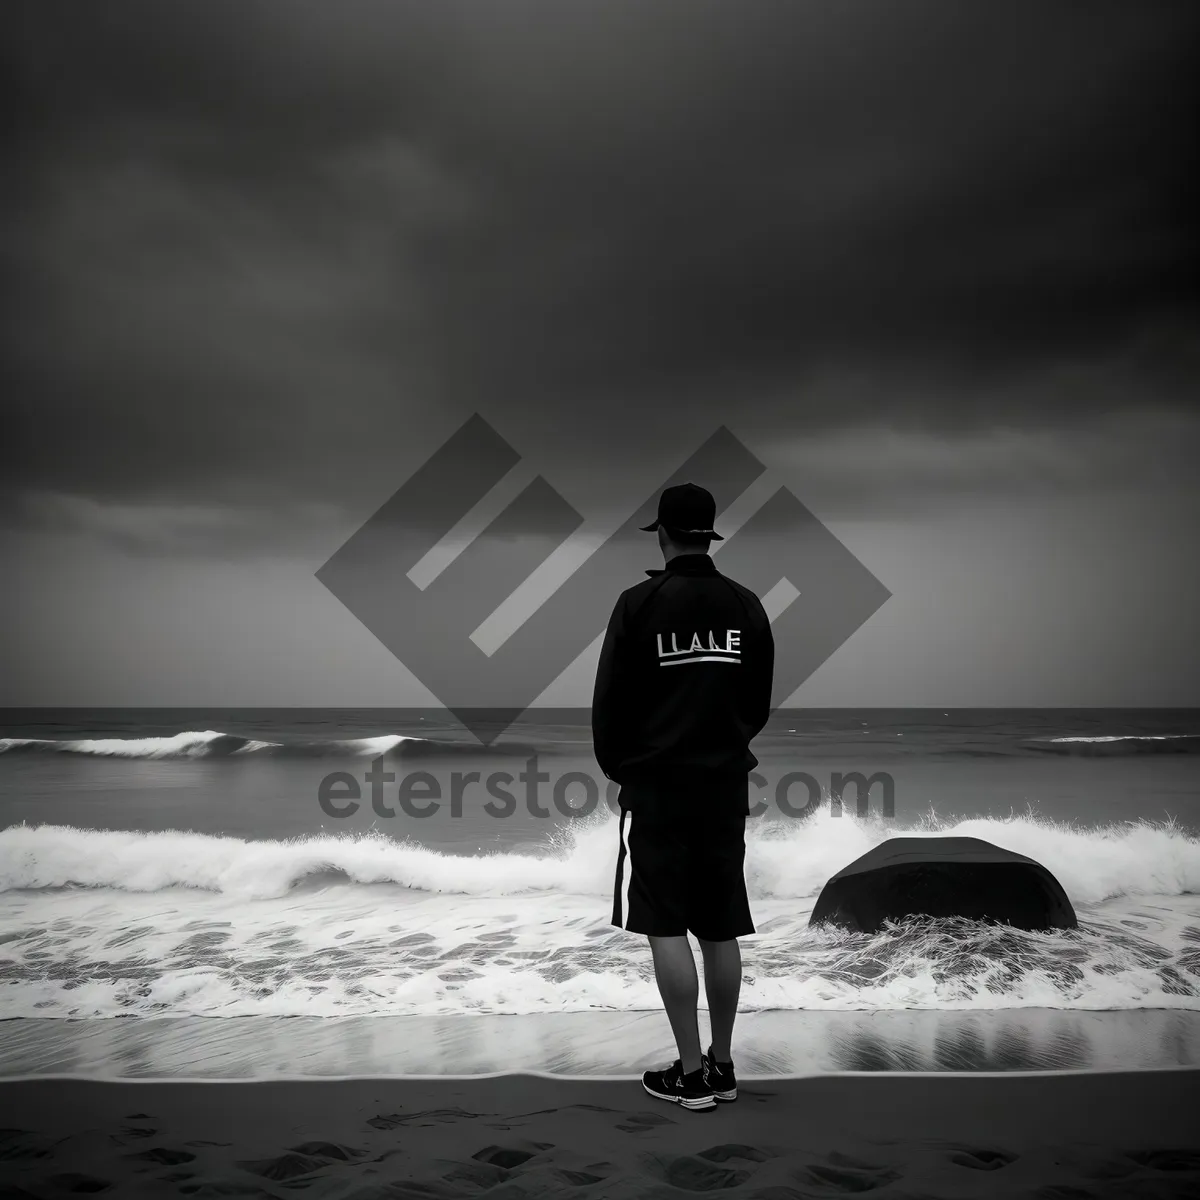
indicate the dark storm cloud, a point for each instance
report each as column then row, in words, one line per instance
column 256, row 249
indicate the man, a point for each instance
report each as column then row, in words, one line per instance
column 683, row 685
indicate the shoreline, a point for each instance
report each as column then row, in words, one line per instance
column 599, row 1044
column 558, row 1077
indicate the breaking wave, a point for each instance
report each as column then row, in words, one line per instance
column 789, row 859
column 107, row 923
column 212, row 743
column 1119, row 745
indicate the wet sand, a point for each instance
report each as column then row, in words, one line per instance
column 597, row 1043
column 1055, row 1136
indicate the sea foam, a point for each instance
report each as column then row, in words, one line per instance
column 783, row 859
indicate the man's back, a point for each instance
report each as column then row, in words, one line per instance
column 684, row 680
column 683, row 685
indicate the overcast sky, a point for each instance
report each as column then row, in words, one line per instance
column 933, row 264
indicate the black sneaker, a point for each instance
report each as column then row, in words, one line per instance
column 689, row 1091
column 721, row 1079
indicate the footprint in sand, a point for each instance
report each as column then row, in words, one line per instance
column 164, row 1155
column 511, row 1156
column 696, row 1175
column 504, row 1159
column 17, row 1144
column 640, row 1122
column 1167, row 1160
column 478, row 1176
column 728, row 1150
column 306, row 1159
column 284, row 1166
column 131, row 1133
column 327, row 1150
column 849, row 1179
column 981, row 1160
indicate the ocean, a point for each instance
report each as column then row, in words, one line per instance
column 169, row 866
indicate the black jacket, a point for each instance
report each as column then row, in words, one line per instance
column 684, row 680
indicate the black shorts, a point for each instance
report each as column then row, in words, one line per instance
column 681, row 865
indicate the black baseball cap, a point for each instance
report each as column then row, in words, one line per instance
column 687, row 509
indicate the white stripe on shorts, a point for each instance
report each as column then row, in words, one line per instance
column 626, row 871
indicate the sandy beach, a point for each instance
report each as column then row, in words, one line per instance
column 1054, row 1136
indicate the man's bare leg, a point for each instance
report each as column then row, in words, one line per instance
column 722, row 985
column 679, row 986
